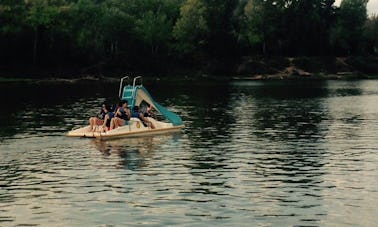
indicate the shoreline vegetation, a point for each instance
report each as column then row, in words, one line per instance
column 251, row 68
column 313, row 68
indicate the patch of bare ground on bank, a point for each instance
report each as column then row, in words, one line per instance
column 248, row 68
column 316, row 68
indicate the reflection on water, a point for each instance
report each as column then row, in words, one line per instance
column 252, row 153
column 132, row 152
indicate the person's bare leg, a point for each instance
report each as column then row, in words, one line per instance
column 98, row 123
column 151, row 125
column 92, row 122
column 104, row 124
column 121, row 122
column 118, row 122
column 148, row 122
column 113, row 123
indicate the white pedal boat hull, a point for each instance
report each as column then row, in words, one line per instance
column 134, row 128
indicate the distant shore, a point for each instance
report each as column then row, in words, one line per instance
column 249, row 68
column 317, row 68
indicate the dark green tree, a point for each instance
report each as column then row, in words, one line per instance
column 155, row 34
column 191, row 29
column 261, row 25
column 205, row 30
column 346, row 34
column 42, row 15
column 305, row 26
column 88, row 37
column 11, row 29
column 371, row 34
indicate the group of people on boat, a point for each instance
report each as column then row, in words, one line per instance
column 112, row 118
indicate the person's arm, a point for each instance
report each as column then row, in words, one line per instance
column 99, row 116
column 150, row 112
column 142, row 118
column 118, row 113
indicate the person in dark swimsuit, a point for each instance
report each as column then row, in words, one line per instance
column 94, row 122
column 147, row 111
column 109, row 115
column 122, row 115
column 137, row 114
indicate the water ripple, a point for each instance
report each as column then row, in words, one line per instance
column 268, row 154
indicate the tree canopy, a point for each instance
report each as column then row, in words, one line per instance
column 156, row 34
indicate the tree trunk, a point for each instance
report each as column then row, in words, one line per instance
column 264, row 47
column 116, row 48
column 35, row 45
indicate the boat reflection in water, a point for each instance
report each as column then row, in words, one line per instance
column 132, row 153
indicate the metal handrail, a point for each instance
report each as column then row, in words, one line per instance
column 135, row 79
column 121, row 84
column 134, row 83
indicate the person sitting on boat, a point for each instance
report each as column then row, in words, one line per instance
column 122, row 115
column 109, row 115
column 137, row 114
column 147, row 111
column 94, row 122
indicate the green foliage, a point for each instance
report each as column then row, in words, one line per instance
column 371, row 34
column 211, row 34
column 346, row 33
column 309, row 25
column 87, row 18
column 191, row 28
column 288, row 27
column 9, row 23
column 205, row 29
column 42, row 13
column 261, row 23
column 154, row 23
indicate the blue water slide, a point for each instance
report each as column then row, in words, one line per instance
column 129, row 94
column 172, row 117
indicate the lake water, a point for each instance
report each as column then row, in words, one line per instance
column 252, row 154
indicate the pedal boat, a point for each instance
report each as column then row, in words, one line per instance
column 135, row 95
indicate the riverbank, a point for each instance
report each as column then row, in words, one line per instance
column 249, row 68
column 320, row 68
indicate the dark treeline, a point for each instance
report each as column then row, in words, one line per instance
column 160, row 35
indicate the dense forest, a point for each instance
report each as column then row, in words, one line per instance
column 164, row 35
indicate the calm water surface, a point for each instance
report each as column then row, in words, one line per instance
column 252, row 154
